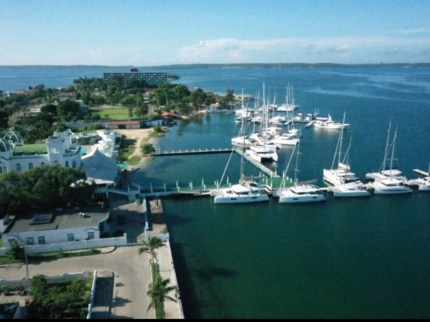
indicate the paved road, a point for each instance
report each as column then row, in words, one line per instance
column 131, row 273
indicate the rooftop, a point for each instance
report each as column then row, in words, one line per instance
column 39, row 148
column 67, row 218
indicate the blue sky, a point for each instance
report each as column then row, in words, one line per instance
column 163, row 32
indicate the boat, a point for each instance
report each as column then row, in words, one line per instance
column 344, row 182
column 383, row 171
column 289, row 104
column 262, row 152
column 341, row 173
column 287, row 138
column 246, row 191
column 423, row 183
column 299, row 193
column 389, row 184
column 328, row 123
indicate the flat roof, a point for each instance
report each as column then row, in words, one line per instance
column 124, row 123
column 68, row 218
column 39, row 148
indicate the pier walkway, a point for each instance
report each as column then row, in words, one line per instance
column 258, row 165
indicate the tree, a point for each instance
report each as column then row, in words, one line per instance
column 158, row 293
column 151, row 246
column 15, row 251
column 148, row 148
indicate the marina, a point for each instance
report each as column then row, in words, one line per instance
column 343, row 258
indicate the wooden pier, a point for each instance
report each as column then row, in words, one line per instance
column 258, row 165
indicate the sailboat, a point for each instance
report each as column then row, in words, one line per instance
column 246, row 191
column 345, row 183
column 389, row 184
column 384, row 172
column 289, row 104
column 299, row 193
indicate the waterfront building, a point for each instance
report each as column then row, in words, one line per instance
column 152, row 79
column 60, row 226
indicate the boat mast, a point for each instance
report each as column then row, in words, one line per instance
column 243, row 142
column 392, row 151
column 386, row 147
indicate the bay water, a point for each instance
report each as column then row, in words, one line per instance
column 343, row 258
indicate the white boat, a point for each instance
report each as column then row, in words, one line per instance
column 299, row 193
column 345, row 183
column 384, row 172
column 245, row 191
column 289, row 104
column 262, row 153
column 287, row 138
column 328, row 123
column 350, row 189
column 242, row 192
column 423, row 183
column 390, row 184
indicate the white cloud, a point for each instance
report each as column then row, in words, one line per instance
column 340, row 50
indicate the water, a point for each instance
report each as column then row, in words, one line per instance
column 344, row 258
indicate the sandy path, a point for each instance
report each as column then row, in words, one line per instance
column 140, row 135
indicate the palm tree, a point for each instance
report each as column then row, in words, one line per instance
column 158, row 293
column 150, row 246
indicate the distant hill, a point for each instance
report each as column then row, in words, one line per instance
column 289, row 65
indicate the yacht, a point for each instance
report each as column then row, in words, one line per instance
column 288, row 138
column 384, row 173
column 242, row 192
column 328, row 123
column 350, row 189
column 389, row 184
column 299, row 193
column 262, row 152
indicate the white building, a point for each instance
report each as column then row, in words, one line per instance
column 60, row 226
column 59, row 148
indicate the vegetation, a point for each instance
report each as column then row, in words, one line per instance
column 15, row 251
column 44, row 188
column 159, row 288
column 148, row 148
column 62, row 254
column 59, row 301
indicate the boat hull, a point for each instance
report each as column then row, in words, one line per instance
column 301, row 199
column 232, row 198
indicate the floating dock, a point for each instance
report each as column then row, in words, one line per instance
column 421, row 172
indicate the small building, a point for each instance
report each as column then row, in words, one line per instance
column 59, row 226
column 4, row 222
column 214, row 107
column 123, row 125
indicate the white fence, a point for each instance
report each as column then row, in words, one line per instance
column 93, row 291
column 73, row 245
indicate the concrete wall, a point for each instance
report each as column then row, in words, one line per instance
column 75, row 245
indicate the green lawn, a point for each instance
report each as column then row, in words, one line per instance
column 112, row 114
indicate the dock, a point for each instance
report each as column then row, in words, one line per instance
column 421, row 172
column 193, row 151
column 258, row 165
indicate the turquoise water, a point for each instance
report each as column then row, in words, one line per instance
column 84, row 150
column 344, row 258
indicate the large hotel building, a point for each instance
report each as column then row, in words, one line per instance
column 152, row 79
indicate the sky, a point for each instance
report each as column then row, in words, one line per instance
column 166, row 32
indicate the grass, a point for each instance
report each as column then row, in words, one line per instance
column 7, row 260
column 113, row 114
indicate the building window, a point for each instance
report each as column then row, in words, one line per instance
column 73, row 163
column 70, row 237
column 18, row 167
column 42, row 164
column 30, row 241
column 67, row 164
column 90, row 235
column 41, row 239
column 30, row 166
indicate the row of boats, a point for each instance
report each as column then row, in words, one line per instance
column 342, row 182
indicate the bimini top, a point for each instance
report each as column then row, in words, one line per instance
column 13, row 138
